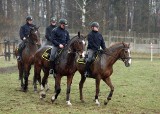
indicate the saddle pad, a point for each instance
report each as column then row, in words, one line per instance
column 81, row 61
column 46, row 54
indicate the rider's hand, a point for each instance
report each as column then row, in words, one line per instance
column 24, row 38
column 61, row 46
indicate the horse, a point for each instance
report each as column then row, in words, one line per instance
column 102, row 68
column 24, row 66
column 65, row 66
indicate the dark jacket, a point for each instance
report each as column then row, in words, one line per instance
column 25, row 30
column 59, row 36
column 48, row 31
column 95, row 40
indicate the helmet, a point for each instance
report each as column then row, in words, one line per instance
column 29, row 18
column 53, row 19
column 95, row 24
column 63, row 21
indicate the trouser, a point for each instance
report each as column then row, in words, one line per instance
column 90, row 54
column 53, row 53
column 21, row 46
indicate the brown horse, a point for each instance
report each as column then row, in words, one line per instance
column 24, row 66
column 65, row 66
column 102, row 68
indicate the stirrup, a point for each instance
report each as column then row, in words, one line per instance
column 86, row 74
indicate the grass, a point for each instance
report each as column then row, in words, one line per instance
column 137, row 91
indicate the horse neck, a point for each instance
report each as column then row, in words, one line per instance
column 114, row 55
column 67, row 57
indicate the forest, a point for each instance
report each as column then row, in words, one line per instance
column 140, row 16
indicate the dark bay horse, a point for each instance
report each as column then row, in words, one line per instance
column 24, row 66
column 65, row 66
column 102, row 68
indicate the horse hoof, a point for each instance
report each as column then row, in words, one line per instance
column 106, row 102
column 53, row 99
column 43, row 94
column 82, row 101
column 69, row 103
column 97, row 102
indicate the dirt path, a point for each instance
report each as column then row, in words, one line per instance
column 8, row 69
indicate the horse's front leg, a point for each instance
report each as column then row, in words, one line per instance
column 26, row 75
column 37, row 76
column 97, row 92
column 57, row 87
column 109, row 83
column 20, row 68
column 69, row 82
column 81, row 87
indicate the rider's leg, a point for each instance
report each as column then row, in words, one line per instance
column 20, row 49
column 52, row 58
column 88, row 62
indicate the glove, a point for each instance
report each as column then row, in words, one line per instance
column 24, row 38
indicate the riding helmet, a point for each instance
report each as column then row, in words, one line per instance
column 95, row 24
column 63, row 21
column 53, row 19
column 29, row 18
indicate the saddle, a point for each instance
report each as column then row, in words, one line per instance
column 46, row 54
column 94, row 58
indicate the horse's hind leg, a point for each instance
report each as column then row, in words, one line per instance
column 57, row 87
column 44, row 81
column 109, row 83
column 37, row 71
column 81, row 87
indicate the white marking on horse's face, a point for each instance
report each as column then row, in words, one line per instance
column 83, row 54
column 129, row 52
column 84, row 43
column 35, row 32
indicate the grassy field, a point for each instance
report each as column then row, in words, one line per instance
column 137, row 91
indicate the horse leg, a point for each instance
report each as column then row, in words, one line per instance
column 69, row 82
column 44, row 81
column 26, row 75
column 37, row 71
column 57, row 87
column 97, row 92
column 109, row 83
column 81, row 87
column 20, row 68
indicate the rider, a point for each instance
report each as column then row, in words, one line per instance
column 50, row 28
column 59, row 38
column 24, row 34
column 95, row 41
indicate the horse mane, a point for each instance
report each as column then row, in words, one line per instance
column 116, row 45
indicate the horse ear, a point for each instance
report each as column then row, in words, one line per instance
column 79, row 34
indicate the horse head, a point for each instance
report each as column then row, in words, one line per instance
column 125, row 54
column 77, row 45
column 35, row 35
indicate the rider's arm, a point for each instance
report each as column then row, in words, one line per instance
column 103, row 43
column 53, row 38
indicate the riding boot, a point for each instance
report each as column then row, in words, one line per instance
column 87, row 69
column 52, row 65
column 19, row 56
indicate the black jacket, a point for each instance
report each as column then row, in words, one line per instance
column 95, row 40
column 25, row 30
column 48, row 31
column 59, row 36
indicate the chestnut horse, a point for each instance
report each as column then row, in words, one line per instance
column 65, row 66
column 102, row 68
column 24, row 66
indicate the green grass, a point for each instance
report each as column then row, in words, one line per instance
column 137, row 91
